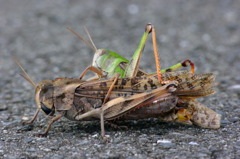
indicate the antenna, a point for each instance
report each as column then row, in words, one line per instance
column 27, row 77
column 90, row 38
column 81, row 38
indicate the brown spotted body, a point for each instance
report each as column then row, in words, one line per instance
column 136, row 98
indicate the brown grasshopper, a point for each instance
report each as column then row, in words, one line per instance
column 79, row 100
column 60, row 97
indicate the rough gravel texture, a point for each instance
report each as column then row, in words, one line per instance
column 207, row 32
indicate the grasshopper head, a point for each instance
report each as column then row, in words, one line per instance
column 98, row 57
column 43, row 92
column 44, row 97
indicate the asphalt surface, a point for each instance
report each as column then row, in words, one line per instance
column 207, row 32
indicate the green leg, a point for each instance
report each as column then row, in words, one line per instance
column 132, row 68
column 185, row 63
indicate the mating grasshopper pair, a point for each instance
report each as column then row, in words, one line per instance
column 103, row 63
column 169, row 96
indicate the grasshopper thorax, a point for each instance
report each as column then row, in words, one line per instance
column 44, row 97
column 109, row 62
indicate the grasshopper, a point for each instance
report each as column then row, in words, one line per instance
column 60, row 96
column 76, row 99
column 107, row 64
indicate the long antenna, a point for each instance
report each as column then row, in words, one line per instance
column 90, row 38
column 81, row 38
column 26, row 77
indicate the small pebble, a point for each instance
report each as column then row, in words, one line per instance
column 193, row 143
column 24, row 118
column 47, row 149
column 57, row 156
column 220, row 112
column 3, row 107
column 234, row 119
column 31, row 149
column 26, row 128
column 224, row 122
column 95, row 135
column 202, row 155
column 143, row 140
column 234, row 87
column 237, row 110
column 237, row 145
column 28, row 140
column 165, row 143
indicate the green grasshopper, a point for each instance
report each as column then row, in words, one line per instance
column 108, row 64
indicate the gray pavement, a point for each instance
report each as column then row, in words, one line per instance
column 207, row 32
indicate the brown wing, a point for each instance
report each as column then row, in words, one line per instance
column 196, row 86
column 98, row 89
column 119, row 106
column 189, row 85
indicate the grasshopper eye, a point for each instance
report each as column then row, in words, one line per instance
column 46, row 110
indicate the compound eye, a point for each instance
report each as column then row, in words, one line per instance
column 45, row 109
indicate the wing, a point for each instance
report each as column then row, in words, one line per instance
column 190, row 85
column 119, row 106
column 126, row 86
column 196, row 86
